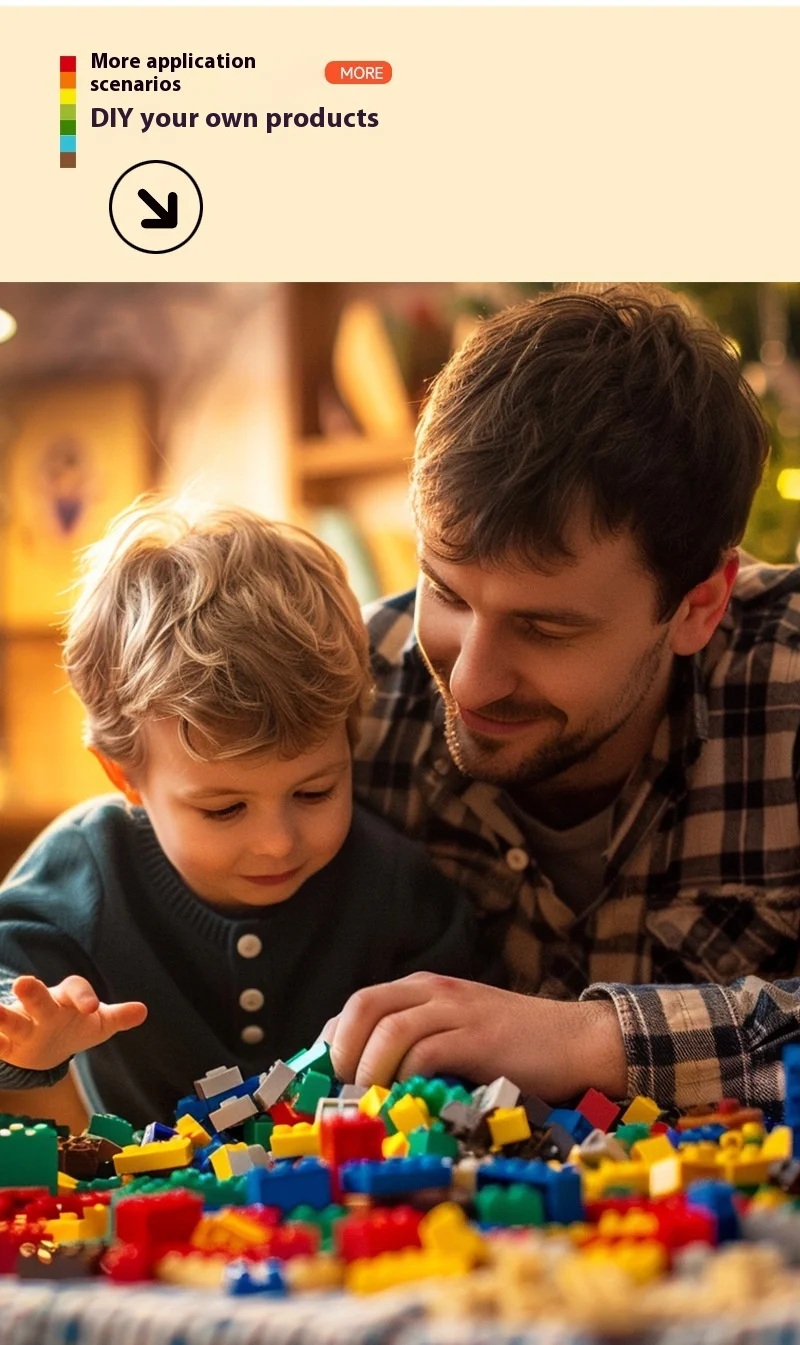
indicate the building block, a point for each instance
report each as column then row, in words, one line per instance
column 343, row 1138
column 297, row 1141
column 174, row 1153
column 247, row 1277
column 373, row 1100
column 312, row 1086
column 305, row 1183
column 217, row 1081
column 396, row 1146
column 395, row 1176
column 652, row 1149
column 371, row 1234
column 29, row 1156
column 641, row 1109
column 573, row 1122
column 234, row 1160
column 372, row 1275
column 409, row 1113
column 317, row 1057
column 274, row 1084
column 192, row 1130
column 508, row 1125
column 718, row 1199
column 599, row 1111
column 435, row 1140
column 232, row 1111
column 445, row 1229
column 109, row 1127
column 500, row 1093
column 510, row 1206
column 169, row 1217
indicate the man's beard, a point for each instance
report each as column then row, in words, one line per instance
column 474, row 754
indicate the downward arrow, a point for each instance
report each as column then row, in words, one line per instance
column 166, row 218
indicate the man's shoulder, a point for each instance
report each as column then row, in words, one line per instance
column 765, row 605
column 390, row 623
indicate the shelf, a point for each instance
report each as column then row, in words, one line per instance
column 351, row 455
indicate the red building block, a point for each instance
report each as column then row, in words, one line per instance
column 598, row 1110
column 381, row 1230
column 152, row 1221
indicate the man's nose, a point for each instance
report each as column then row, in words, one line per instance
column 482, row 672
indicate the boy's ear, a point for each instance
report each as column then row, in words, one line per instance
column 703, row 608
column 117, row 776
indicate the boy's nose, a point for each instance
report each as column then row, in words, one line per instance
column 275, row 841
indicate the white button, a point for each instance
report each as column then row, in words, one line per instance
column 249, row 945
column 517, row 859
column 252, row 1000
column 252, row 1034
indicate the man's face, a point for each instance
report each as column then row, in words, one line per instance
column 249, row 831
column 557, row 676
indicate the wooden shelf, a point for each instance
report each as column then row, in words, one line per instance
column 350, row 455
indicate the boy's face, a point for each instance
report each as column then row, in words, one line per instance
column 246, row 832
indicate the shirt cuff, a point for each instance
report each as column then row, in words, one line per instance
column 12, row 1078
column 685, row 1045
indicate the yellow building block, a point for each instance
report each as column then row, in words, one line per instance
column 369, row 1275
column 194, row 1272
column 221, row 1160
column 700, row 1161
column 192, row 1129
column 314, row 1272
column 373, row 1100
column 446, row 1229
column 155, row 1157
column 395, row 1146
column 642, row 1261
column 777, row 1144
column 642, row 1110
column 218, row 1232
column 652, row 1149
column 743, row 1168
column 507, row 1125
column 65, row 1184
column 69, row 1228
column 666, row 1176
column 634, row 1176
column 298, row 1141
column 409, row 1114
column 248, row 1232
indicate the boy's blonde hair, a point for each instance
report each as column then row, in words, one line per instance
column 244, row 629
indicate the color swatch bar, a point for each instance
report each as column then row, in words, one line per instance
column 67, row 112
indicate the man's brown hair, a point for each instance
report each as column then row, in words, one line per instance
column 620, row 400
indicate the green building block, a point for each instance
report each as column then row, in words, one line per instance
column 215, row 1193
column 317, row 1057
column 114, row 1128
column 100, row 1184
column 29, row 1156
column 435, row 1141
column 13, row 1118
column 257, row 1130
column 510, row 1206
column 313, row 1086
column 631, row 1134
column 325, row 1220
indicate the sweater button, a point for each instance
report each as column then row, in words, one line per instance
column 251, row 1000
column 517, row 859
column 249, row 945
column 252, row 1034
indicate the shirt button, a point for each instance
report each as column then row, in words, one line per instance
column 251, row 1000
column 252, row 1034
column 249, row 945
column 517, row 859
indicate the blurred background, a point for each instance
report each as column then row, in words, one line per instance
column 296, row 400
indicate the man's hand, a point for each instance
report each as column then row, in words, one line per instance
column 49, row 1024
column 429, row 1024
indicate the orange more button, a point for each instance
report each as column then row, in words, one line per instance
column 358, row 72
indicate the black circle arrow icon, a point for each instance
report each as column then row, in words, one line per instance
column 164, row 218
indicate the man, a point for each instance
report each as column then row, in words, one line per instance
column 588, row 735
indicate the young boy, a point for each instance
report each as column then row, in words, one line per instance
column 230, row 898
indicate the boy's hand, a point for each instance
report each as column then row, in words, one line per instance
column 49, row 1024
column 429, row 1024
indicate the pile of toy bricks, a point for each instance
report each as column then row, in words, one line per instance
column 289, row 1181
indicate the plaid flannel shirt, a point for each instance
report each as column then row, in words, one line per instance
column 694, row 935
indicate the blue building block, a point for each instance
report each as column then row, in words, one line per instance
column 261, row 1277
column 718, row 1198
column 698, row 1134
column 561, row 1191
column 156, row 1131
column 562, row 1197
column 394, row 1176
column 509, row 1171
column 573, row 1121
column 193, row 1106
column 202, row 1157
column 305, row 1183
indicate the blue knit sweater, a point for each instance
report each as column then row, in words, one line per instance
column 96, row 896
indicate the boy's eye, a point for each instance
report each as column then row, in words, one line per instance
column 314, row 795
column 221, row 813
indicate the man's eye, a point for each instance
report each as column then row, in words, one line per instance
column 221, row 813
column 552, row 637
column 443, row 595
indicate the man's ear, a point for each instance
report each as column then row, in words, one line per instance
column 117, row 776
column 703, row 607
